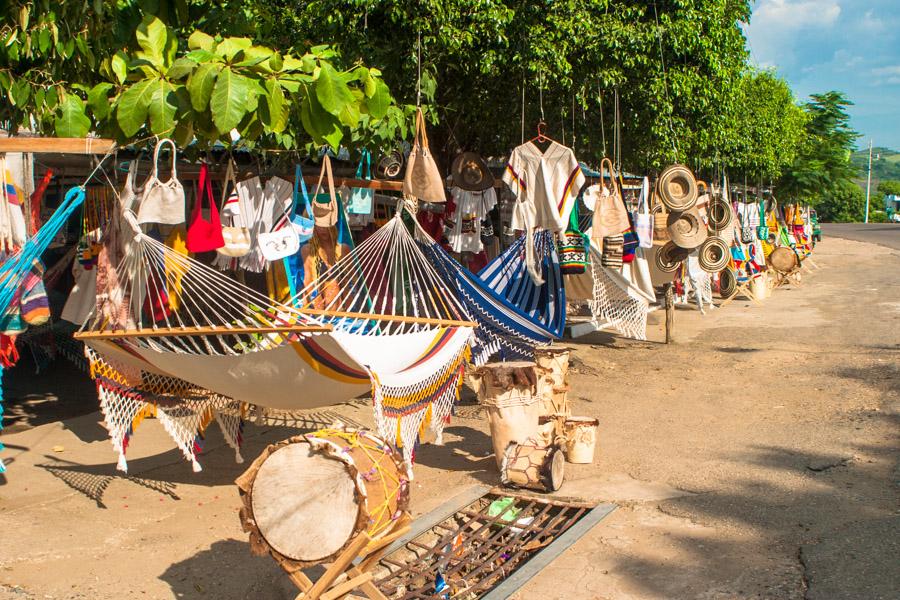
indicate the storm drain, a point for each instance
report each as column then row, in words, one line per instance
column 483, row 544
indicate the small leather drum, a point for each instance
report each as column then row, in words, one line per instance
column 533, row 466
column 308, row 497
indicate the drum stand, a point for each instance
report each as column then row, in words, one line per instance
column 343, row 576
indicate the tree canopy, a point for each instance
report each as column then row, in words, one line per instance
column 130, row 76
column 671, row 76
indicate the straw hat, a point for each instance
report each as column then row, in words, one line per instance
column 470, row 172
column 719, row 214
column 677, row 188
column 727, row 283
column 669, row 256
column 713, row 254
column 686, row 228
column 783, row 260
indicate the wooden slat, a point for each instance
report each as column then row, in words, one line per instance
column 396, row 318
column 192, row 331
column 44, row 145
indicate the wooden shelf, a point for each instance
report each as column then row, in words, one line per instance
column 45, row 145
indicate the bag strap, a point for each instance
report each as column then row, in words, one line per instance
column 229, row 178
column 156, row 150
column 300, row 191
column 614, row 186
column 421, row 138
column 326, row 170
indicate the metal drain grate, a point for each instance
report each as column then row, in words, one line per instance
column 466, row 550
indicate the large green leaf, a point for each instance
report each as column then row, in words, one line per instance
column 181, row 68
column 131, row 109
column 273, row 113
column 331, row 91
column 380, row 101
column 71, row 120
column 201, row 41
column 200, row 85
column 228, row 102
column 119, row 65
column 161, row 110
column 153, row 38
column 98, row 99
column 229, row 47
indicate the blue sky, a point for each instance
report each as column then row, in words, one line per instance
column 847, row 45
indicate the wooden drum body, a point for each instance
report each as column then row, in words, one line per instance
column 307, row 498
column 533, row 466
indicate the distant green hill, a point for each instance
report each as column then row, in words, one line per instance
column 885, row 163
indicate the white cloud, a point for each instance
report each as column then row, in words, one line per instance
column 890, row 70
column 804, row 14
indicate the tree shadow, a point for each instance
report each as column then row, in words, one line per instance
column 802, row 524
column 228, row 570
column 472, row 453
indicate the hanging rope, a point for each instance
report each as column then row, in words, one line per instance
column 523, row 106
column 602, row 119
column 418, row 69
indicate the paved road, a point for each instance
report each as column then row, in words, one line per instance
column 884, row 234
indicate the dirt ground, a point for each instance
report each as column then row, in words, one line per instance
column 757, row 457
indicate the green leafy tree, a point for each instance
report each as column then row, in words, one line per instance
column 846, row 203
column 767, row 127
column 889, row 187
column 675, row 65
column 68, row 82
column 822, row 173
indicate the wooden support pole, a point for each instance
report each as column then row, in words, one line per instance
column 670, row 312
column 195, row 331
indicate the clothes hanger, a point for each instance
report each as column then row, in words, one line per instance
column 542, row 137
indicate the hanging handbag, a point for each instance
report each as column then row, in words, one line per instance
column 235, row 235
column 282, row 241
column 572, row 247
column 643, row 220
column 422, row 179
column 324, row 206
column 360, row 201
column 762, row 230
column 747, row 233
column 612, row 251
column 610, row 215
column 162, row 202
column 203, row 235
column 302, row 223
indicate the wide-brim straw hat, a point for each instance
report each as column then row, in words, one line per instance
column 669, row 256
column 783, row 259
column 727, row 283
column 470, row 172
column 713, row 254
column 686, row 229
column 719, row 214
column 677, row 188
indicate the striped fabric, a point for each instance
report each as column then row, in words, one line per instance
column 507, row 275
column 502, row 327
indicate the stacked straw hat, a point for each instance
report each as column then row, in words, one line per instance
column 677, row 189
column 727, row 283
column 713, row 254
column 669, row 256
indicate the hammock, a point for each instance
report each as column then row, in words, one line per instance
column 611, row 297
column 173, row 337
column 502, row 326
column 508, row 276
column 15, row 267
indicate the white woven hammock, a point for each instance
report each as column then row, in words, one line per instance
column 178, row 339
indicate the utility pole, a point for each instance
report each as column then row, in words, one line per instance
column 869, row 180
